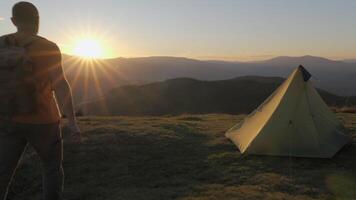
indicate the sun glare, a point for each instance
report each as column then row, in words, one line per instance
column 88, row 48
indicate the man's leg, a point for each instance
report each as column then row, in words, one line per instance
column 47, row 141
column 12, row 147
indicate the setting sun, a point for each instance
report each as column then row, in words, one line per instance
column 88, row 48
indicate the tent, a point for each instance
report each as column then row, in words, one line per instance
column 293, row 121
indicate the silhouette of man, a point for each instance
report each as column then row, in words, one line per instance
column 41, row 128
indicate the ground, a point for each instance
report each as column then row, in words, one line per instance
column 187, row 158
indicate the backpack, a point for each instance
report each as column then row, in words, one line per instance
column 18, row 88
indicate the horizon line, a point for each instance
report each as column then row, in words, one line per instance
column 208, row 58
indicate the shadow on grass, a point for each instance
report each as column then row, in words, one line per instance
column 119, row 164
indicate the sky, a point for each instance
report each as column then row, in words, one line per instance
column 204, row 29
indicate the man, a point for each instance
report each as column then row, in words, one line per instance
column 41, row 128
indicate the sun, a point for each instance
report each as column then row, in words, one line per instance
column 88, row 48
column 90, row 42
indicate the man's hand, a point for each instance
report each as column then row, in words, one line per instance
column 75, row 132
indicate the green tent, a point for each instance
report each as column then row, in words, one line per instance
column 293, row 121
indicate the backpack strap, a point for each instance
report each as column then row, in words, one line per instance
column 3, row 42
column 27, row 42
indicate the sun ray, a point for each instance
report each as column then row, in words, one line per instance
column 89, row 69
column 76, row 77
column 86, row 83
column 99, row 90
column 111, row 71
column 107, row 71
column 72, row 66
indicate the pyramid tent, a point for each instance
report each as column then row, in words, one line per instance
column 293, row 121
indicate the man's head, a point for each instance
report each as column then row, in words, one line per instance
column 25, row 17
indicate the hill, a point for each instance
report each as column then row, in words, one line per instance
column 185, row 158
column 92, row 78
column 350, row 60
column 186, row 95
column 307, row 60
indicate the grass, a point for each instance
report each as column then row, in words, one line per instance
column 345, row 109
column 187, row 158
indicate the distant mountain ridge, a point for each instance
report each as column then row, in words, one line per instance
column 349, row 60
column 187, row 95
column 92, row 79
column 281, row 60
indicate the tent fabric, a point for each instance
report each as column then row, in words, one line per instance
column 293, row 121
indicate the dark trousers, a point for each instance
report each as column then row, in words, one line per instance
column 47, row 141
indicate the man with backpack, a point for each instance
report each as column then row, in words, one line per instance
column 31, row 84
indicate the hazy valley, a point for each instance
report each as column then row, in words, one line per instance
column 138, row 86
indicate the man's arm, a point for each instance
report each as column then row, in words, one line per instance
column 63, row 92
column 64, row 99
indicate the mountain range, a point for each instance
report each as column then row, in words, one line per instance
column 350, row 60
column 91, row 79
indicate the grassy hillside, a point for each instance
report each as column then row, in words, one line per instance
column 188, row 158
